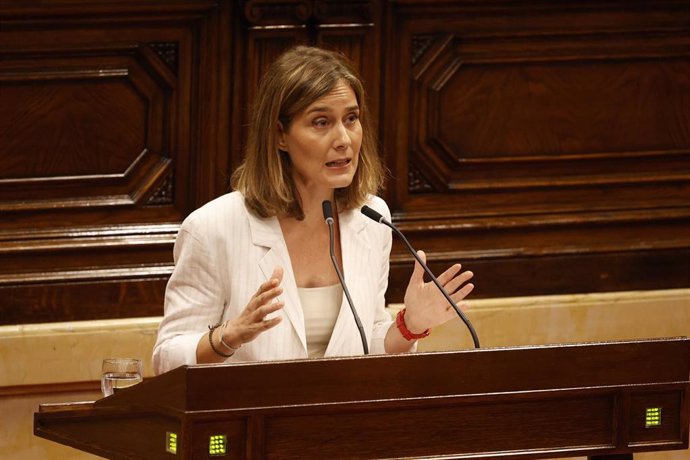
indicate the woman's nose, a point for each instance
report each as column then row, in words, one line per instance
column 342, row 137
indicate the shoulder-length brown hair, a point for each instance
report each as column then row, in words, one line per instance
column 298, row 78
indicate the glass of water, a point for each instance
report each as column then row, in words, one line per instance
column 119, row 373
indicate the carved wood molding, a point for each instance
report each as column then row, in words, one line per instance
column 164, row 194
column 421, row 43
column 308, row 12
column 80, row 276
column 264, row 12
column 167, row 51
column 416, row 182
column 14, row 13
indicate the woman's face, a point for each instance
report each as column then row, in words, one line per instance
column 323, row 142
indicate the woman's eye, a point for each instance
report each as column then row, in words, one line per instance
column 352, row 118
column 320, row 122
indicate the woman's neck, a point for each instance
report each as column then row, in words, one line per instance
column 308, row 242
column 312, row 206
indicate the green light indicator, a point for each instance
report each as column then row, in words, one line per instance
column 171, row 442
column 652, row 417
column 217, row 445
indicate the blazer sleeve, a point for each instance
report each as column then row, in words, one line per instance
column 193, row 299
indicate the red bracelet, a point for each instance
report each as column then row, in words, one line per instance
column 408, row 334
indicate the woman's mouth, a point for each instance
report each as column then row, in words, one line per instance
column 339, row 163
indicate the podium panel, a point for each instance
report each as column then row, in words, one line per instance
column 596, row 399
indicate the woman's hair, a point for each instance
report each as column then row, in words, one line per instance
column 298, row 78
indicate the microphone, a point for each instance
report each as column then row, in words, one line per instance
column 328, row 216
column 375, row 216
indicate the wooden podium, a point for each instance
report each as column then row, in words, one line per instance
column 603, row 400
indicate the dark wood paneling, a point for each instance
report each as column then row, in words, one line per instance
column 544, row 146
column 104, row 148
column 110, row 295
column 311, row 437
column 81, row 130
column 549, row 138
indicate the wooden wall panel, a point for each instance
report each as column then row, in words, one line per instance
column 82, row 131
column 546, row 146
column 100, row 148
column 539, row 141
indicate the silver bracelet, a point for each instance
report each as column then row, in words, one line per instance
column 210, row 341
column 229, row 347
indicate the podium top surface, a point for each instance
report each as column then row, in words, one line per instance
column 412, row 375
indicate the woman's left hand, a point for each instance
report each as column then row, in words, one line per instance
column 426, row 307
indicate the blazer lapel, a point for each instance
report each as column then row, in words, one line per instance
column 267, row 233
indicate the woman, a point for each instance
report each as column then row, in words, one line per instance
column 253, row 277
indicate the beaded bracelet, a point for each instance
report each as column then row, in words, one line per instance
column 210, row 341
column 406, row 333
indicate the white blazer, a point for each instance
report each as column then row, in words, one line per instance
column 223, row 253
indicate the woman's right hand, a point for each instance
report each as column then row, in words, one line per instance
column 252, row 321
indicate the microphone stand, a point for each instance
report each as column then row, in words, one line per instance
column 373, row 215
column 328, row 215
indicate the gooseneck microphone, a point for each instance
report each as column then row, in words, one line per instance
column 373, row 215
column 328, row 215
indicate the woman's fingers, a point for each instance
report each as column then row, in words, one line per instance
column 417, row 277
column 269, row 323
column 262, row 298
column 269, row 289
column 266, row 286
column 462, row 293
column 277, row 274
column 426, row 305
column 252, row 321
column 273, row 281
column 270, row 295
column 453, row 285
column 264, row 310
column 449, row 274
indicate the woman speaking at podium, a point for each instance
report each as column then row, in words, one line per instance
column 254, row 279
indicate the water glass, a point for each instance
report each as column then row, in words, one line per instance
column 119, row 373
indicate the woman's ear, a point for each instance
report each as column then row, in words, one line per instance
column 282, row 144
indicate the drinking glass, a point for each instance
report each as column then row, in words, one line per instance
column 119, row 373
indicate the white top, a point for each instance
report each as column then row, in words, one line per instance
column 321, row 306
